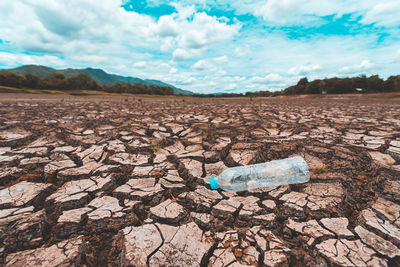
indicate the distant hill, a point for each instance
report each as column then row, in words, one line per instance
column 99, row 75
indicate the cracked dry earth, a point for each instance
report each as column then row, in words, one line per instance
column 88, row 181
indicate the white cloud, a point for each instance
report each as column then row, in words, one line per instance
column 309, row 12
column 304, row 70
column 189, row 29
column 270, row 78
column 90, row 32
column 222, row 59
column 12, row 60
column 295, row 11
column 205, row 30
column 173, row 70
column 202, row 65
column 365, row 65
column 180, row 54
column 166, row 26
column 383, row 14
column 140, row 64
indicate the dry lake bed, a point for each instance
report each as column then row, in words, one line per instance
column 97, row 181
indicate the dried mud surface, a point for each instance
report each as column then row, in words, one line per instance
column 94, row 181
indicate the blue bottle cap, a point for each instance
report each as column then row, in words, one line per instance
column 214, row 182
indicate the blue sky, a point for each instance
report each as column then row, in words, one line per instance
column 206, row 46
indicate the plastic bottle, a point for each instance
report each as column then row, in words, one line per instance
column 277, row 172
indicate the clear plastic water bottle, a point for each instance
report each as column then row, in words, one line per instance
column 277, row 172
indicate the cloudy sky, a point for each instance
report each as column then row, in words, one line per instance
column 206, row 46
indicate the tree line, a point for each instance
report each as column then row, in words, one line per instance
column 79, row 82
column 362, row 83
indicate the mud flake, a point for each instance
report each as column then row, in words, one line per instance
column 378, row 243
column 344, row 252
column 242, row 157
column 274, row 257
column 389, row 210
column 194, row 167
column 59, row 162
column 202, row 196
column 85, row 170
column 26, row 231
column 382, row 159
column 227, row 206
column 295, row 200
column 310, row 228
column 214, row 169
column 270, row 204
column 392, row 188
column 384, row 227
column 64, row 253
column 185, row 241
column 139, row 243
column 142, row 187
column 130, row 159
column 337, row 226
column 22, row 193
column 73, row 216
column 168, row 210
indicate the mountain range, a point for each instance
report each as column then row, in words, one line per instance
column 99, row 75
